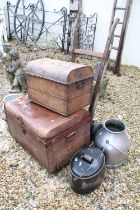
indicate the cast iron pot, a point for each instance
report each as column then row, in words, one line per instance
column 87, row 168
column 112, row 138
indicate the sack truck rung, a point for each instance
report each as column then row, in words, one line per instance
column 120, row 8
column 114, row 48
column 118, row 36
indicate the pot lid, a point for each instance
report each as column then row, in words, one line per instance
column 87, row 162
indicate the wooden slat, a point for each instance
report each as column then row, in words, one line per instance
column 118, row 36
column 74, row 37
column 114, row 48
column 120, row 8
column 88, row 53
column 113, row 12
column 101, row 68
column 80, row 6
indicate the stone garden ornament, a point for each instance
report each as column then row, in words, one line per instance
column 14, row 70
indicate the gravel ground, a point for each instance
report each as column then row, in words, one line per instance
column 24, row 184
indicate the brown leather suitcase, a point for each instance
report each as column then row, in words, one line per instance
column 49, row 137
column 63, row 87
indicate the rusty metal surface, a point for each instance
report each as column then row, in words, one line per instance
column 59, row 71
column 58, row 151
column 44, row 123
column 49, row 137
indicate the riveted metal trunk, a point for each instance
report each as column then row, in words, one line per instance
column 63, row 87
column 50, row 138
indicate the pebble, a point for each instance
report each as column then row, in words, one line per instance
column 25, row 185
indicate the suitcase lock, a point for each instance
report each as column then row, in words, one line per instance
column 80, row 84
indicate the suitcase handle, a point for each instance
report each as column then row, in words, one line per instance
column 70, row 136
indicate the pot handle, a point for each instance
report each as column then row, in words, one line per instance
column 125, row 153
column 87, row 158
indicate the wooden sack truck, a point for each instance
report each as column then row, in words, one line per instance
column 102, row 66
column 120, row 36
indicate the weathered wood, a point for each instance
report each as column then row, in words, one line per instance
column 122, row 38
column 118, row 36
column 114, row 48
column 120, row 8
column 63, row 87
column 74, row 37
column 122, row 34
column 73, row 31
column 113, row 12
column 101, row 68
column 88, row 53
column 80, row 6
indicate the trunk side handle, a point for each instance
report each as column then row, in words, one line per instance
column 70, row 136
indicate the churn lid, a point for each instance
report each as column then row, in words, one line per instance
column 87, row 162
